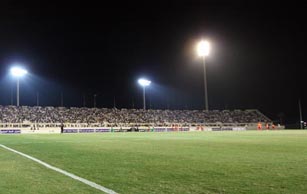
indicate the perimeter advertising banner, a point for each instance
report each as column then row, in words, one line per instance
column 70, row 131
column 10, row 131
column 96, row 130
column 102, row 130
column 86, row 130
column 170, row 129
column 228, row 128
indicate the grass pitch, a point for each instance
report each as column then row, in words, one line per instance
column 186, row 162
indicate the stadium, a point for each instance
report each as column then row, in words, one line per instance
column 136, row 151
column 145, row 98
column 89, row 120
column 101, row 150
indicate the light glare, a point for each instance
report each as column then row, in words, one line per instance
column 203, row 48
column 144, row 82
column 18, row 72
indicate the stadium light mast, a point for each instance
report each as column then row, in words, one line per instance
column 203, row 49
column 95, row 95
column 144, row 83
column 37, row 98
column 18, row 72
column 301, row 115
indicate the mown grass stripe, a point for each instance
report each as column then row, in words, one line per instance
column 85, row 181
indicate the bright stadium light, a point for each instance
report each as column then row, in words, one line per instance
column 18, row 72
column 203, row 50
column 144, row 83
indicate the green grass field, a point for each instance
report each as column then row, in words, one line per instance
column 187, row 162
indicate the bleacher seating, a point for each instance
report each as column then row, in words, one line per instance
column 14, row 114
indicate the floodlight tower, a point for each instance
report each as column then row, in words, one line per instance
column 95, row 95
column 18, row 72
column 144, row 83
column 203, row 49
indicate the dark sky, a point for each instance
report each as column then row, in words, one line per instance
column 257, row 60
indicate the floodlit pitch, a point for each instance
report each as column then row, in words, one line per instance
column 178, row 162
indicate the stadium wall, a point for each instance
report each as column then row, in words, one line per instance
column 49, row 128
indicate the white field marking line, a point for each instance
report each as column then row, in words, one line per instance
column 85, row 181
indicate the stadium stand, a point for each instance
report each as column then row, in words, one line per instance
column 37, row 114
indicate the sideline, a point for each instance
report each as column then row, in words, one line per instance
column 85, row 181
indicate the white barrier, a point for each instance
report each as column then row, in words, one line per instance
column 77, row 128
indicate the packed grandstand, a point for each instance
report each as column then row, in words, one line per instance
column 37, row 114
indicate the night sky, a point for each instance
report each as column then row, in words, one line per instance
column 257, row 60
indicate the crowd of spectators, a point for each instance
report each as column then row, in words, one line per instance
column 22, row 114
